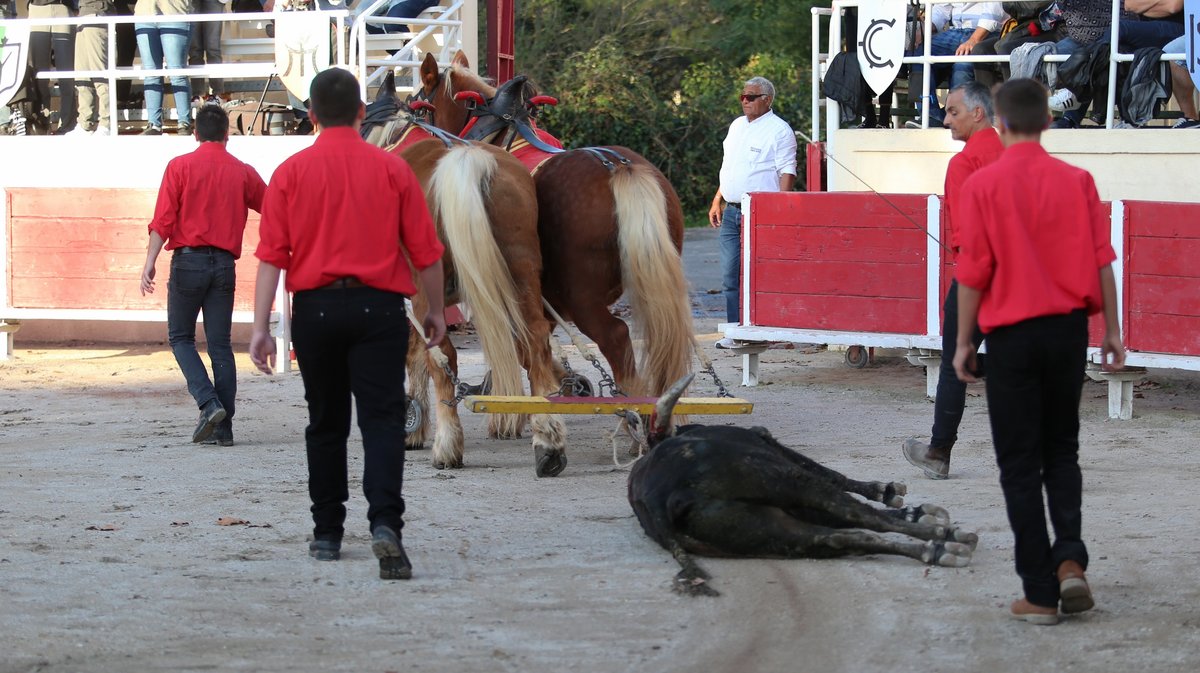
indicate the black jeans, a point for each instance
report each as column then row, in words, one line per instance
column 203, row 279
column 352, row 341
column 1035, row 377
column 951, row 395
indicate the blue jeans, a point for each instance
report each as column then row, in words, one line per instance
column 403, row 9
column 169, row 42
column 951, row 395
column 944, row 43
column 203, row 280
column 730, row 242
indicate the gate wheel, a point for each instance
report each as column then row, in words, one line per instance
column 857, row 357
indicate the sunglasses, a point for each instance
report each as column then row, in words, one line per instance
column 751, row 97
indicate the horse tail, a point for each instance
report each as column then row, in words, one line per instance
column 652, row 274
column 459, row 192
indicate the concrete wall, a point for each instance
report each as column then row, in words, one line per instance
column 1137, row 164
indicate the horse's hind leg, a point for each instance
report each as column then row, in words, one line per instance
column 890, row 493
column 418, row 388
column 549, row 433
column 448, row 440
column 611, row 335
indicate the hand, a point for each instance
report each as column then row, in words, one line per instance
column 965, row 362
column 435, row 328
column 714, row 215
column 1112, row 353
column 965, row 48
column 262, row 351
column 147, row 281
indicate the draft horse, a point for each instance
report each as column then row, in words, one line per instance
column 483, row 203
column 719, row 490
column 606, row 228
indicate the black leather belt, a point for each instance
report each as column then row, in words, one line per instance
column 208, row 249
column 736, row 206
column 343, row 284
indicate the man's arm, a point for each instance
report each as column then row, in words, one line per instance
column 786, row 182
column 965, row 48
column 1154, row 9
column 1112, row 351
column 964, row 348
column 152, row 249
column 714, row 212
column 435, row 319
column 262, row 346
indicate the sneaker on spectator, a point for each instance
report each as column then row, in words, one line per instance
column 1063, row 100
column 101, row 131
column 77, row 132
column 1185, row 123
column 152, row 131
column 912, row 125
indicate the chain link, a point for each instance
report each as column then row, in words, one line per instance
column 721, row 391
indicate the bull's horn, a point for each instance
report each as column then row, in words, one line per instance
column 666, row 404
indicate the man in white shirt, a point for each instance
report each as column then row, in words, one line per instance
column 759, row 156
column 959, row 27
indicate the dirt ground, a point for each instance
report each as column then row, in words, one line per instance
column 113, row 556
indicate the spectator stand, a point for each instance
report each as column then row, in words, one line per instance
column 847, row 268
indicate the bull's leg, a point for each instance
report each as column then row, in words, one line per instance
column 890, row 493
column 830, row 506
column 418, row 388
column 448, row 440
column 737, row 528
column 691, row 580
column 920, row 513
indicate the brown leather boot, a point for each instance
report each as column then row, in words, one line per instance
column 1073, row 588
column 934, row 461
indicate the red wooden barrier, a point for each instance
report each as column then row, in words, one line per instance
column 839, row 261
column 1162, row 277
column 84, row 249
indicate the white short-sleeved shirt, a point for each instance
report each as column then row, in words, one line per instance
column 756, row 154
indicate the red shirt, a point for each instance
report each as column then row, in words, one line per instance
column 204, row 197
column 345, row 208
column 1034, row 237
column 982, row 148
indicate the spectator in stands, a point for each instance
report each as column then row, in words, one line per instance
column 759, row 156
column 1022, row 27
column 91, row 53
column 1030, row 275
column 1182, row 86
column 201, row 216
column 159, row 44
column 53, row 48
column 205, row 49
column 959, row 27
column 346, row 219
column 969, row 118
column 398, row 9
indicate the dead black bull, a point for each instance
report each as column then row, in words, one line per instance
column 737, row 492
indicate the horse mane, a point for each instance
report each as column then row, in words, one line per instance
column 473, row 82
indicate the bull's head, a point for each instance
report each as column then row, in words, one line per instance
column 660, row 421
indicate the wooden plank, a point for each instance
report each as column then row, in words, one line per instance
column 832, row 210
column 1163, row 257
column 857, row 279
column 1164, row 220
column 848, row 314
column 775, row 241
column 1173, row 334
column 515, row 404
column 1164, row 295
column 82, row 202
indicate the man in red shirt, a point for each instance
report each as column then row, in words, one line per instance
column 341, row 217
column 201, row 215
column 969, row 118
column 1035, row 261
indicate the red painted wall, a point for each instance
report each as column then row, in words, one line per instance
column 85, row 248
column 1162, row 277
column 839, row 261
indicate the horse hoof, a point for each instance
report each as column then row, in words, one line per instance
column 447, row 464
column 550, row 463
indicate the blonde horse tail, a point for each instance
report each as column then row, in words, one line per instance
column 459, row 191
column 652, row 274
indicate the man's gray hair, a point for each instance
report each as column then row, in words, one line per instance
column 764, row 84
column 977, row 95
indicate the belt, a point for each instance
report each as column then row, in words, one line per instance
column 208, row 249
column 735, row 206
column 346, row 283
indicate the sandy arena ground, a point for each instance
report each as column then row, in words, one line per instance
column 113, row 556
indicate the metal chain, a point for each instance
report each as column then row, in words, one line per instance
column 606, row 381
column 721, row 391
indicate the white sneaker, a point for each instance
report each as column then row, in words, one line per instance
column 1063, row 100
column 77, row 132
column 101, row 131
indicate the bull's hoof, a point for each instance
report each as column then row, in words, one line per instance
column 893, row 494
column 964, row 536
column 550, row 462
column 947, row 554
column 932, row 514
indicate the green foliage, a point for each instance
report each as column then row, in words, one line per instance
column 662, row 78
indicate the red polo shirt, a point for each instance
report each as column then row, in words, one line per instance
column 1034, row 237
column 345, row 208
column 204, row 197
column 982, row 148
